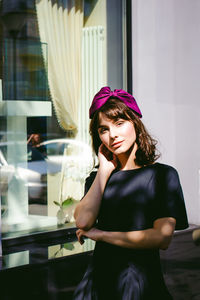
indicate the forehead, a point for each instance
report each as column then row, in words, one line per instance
column 103, row 119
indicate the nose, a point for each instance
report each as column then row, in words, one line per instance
column 113, row 132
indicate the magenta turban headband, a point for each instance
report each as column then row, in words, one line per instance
column 105, row 93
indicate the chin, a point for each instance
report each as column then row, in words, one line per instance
column 122, row 150
column 119, row 151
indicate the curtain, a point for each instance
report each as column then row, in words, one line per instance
column 60, row 26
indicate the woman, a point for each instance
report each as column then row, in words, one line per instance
column 131, row 207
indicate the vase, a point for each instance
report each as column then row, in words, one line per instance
column 61, row 217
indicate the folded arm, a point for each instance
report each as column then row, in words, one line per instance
column 157, row 237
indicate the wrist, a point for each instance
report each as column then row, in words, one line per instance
column 104, row 171
column 100, row 237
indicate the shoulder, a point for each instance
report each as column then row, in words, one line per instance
column 165, row 169
column 91, row 176
column 167, row 174
column 89, row 180
column 158, row 170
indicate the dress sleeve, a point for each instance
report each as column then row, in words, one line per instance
column 169, row 200
column 89, row 180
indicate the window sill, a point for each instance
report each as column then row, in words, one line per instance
column 42, row 247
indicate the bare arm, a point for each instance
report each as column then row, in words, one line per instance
column 87, row 210
column 157, row 237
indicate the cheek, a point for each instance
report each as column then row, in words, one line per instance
column 129, row 130
column 103, row 139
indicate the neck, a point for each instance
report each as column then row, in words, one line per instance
column 127, row 160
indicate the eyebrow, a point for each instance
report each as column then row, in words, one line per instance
column 112, row 120
column 101, row 126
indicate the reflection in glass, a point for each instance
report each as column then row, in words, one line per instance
column 70, row 248
column 76, row 162
column 42, row 166
column 24, row 70
column 15, row 259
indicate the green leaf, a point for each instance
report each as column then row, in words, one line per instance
column 56, row 203
column 68, row 246
column 67, row 202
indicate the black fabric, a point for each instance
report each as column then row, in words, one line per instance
column 89, row 181
column 132, row 200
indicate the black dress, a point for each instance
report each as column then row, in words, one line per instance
column 132, row 200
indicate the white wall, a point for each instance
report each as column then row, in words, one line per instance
column 166, row 84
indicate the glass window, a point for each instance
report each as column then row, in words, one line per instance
column 55, row 55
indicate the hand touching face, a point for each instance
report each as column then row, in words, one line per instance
column 107, row 159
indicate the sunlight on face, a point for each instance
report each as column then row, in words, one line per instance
column 117, row 135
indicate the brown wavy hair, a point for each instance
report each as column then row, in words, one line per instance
column 115, row 109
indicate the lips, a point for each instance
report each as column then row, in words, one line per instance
column 116, row 144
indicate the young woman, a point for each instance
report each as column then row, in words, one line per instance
column 131, row 207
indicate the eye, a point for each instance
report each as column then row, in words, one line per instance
column 102, row 130
column 119, row 122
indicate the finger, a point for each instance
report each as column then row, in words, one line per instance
column 80, row 236
column 106, row 152
column 100, row 147
column 77, row 232
column 115, row 159
column 81, row 240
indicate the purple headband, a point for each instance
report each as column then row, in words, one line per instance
column 105, row 93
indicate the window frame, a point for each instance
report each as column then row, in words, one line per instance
column 10, row 241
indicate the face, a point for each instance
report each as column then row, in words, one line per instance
column 36, row 138
column 117, row 135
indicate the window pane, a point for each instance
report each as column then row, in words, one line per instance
column 51, row 66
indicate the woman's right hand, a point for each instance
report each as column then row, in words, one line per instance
column 107, row 160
